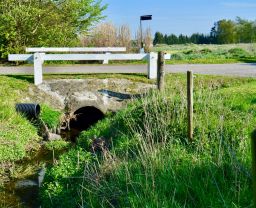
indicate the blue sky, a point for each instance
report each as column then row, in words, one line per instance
column 178, row 16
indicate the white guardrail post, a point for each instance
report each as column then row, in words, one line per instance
column 152, row 65
column 38, row 68
column 105, row 61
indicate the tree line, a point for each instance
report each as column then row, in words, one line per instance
column 223, row 32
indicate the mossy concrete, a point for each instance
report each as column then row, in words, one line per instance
column 104, row 94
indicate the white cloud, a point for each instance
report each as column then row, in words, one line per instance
column 239, row 4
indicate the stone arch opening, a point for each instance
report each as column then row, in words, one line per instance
column 83, row 119
column 86, row 117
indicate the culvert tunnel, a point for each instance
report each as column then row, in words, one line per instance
column 83, row 119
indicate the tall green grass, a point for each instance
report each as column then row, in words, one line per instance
column 149, row 161
column 210, row 54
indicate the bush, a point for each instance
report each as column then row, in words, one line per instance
column 238, row 53
column 178, row 56
column 205, row 51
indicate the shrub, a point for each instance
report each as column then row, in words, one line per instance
column 205, row 51
column 238, row 53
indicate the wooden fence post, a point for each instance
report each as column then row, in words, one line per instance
column 160, row 71
column 190, row 86
column 253, row 149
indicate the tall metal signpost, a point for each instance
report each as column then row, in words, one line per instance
column 142, row 18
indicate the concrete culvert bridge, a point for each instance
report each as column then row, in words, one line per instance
column 85, row 117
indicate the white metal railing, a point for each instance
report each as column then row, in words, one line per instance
column 106, row 50
column 77, row 49
column 39, row 57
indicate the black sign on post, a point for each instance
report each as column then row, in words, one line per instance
column 142, row 18
column 146, row 17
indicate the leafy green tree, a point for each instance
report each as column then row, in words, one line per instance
column 225, row 31
column 172, row 39
column 245, row 31
column 25, row 23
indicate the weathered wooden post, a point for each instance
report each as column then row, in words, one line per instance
column 190, row 86
column 160, row 71
column 253, row 149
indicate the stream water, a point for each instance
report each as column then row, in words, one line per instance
column 23, row 192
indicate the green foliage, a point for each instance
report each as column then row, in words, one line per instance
column 150, row 162
column 50, row 116
column 45, row 23
column 210, row 54
column 223, row 32
column 57, row 145
column 63, row 181
column 238, row 53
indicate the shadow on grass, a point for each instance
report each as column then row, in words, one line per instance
column 27, row 78
column 248, row 60
column 132, row 77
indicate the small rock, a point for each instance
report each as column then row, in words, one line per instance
column 58, row 131
column 41, row 174
column 53, row 137
column 25, row 184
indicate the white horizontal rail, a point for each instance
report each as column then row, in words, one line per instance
column 39, row 58
column 77, row 49
column 20, row 57
column 76, row 57
column 66, row 57
column 167, row 56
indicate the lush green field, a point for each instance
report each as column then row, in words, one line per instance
column 210, row 54
column 145, row 159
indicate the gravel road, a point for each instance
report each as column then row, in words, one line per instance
column 241, row 70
